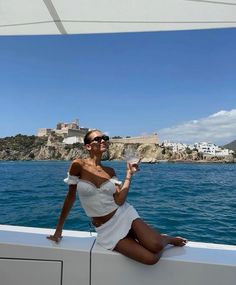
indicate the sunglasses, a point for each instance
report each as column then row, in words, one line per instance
column 98, row 139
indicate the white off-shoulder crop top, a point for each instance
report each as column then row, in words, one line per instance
column 96, row 201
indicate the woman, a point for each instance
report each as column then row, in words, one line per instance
column 103, row 198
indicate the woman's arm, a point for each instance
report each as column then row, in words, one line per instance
column 122, row 192
column 68, row 203
column 70, row 198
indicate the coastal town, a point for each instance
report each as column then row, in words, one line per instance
column 72, row 133
column 65, row 142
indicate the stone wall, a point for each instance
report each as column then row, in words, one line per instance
column 150, row 139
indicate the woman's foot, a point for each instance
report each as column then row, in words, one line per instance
column 178, row 241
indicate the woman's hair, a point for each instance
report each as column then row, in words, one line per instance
column 87, row 136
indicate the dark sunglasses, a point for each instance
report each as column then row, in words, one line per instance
column 100, row 138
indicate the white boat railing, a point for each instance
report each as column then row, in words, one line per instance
column 28, row 258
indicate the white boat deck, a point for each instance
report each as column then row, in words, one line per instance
column 28, row 258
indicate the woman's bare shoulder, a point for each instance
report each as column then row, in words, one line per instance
column 78, row 161
column 76, row 166
column 110, row 171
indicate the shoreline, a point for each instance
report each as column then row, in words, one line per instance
column 200, row 161
column 120, row 160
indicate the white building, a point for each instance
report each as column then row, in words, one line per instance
column 72, row 140
column 176, row 147
column 212, row 149
column 207, row 148
column 202, row 147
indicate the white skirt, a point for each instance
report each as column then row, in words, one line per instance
column 117, row 227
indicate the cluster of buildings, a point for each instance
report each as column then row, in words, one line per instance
column 202, row 147
column 71, row 132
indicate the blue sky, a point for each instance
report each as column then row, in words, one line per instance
column 180, row 84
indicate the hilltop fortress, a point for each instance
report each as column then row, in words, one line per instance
column 73, row 133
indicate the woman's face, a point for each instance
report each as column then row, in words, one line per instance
column 98, row 141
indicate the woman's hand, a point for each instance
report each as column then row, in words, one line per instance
column 132, row 168
column 122, row 192
column 57, row 237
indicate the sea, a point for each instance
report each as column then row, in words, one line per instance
column 193, row 200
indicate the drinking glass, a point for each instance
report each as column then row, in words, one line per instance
column 131, row 156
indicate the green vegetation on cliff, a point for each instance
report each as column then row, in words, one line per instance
column 21, row 142
column 20, row 147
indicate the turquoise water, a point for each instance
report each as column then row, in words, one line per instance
column 197, row 201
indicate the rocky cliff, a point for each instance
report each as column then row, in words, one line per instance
column 23, row 147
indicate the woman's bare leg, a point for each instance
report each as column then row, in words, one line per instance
column 144, row 244
column 151, row 239
column 132, row 249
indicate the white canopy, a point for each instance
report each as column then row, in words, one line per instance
column 35, row 17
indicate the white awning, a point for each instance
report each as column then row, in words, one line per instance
column 35, row 17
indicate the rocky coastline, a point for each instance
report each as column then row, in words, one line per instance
column 26, row 148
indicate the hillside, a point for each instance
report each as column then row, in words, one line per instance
column 23, row 147
column 231, row 145
column 20, row 147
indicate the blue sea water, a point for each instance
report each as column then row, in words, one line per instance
column 197, row 201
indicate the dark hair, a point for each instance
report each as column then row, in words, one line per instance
column 87, row 136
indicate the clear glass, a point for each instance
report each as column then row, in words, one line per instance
column 131, row 156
